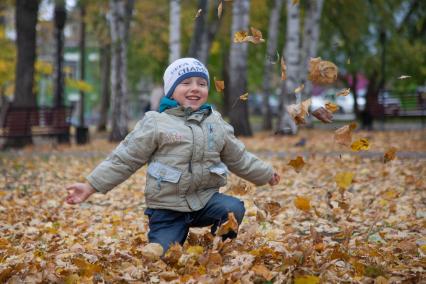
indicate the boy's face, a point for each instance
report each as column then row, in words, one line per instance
column 191, row 92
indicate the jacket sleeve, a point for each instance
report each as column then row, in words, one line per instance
column 131, row 154
column 241, row 162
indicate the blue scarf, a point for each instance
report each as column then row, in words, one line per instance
column 167, row 103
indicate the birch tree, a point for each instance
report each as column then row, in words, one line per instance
column 291, row 53
column 271, row 51
column 239, row 116
column 60, row 15
column 174, row 29
column 119, row 21
column 205, row 30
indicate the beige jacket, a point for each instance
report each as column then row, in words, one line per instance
column 188, row 156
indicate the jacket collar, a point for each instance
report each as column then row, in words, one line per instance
column 172, row 107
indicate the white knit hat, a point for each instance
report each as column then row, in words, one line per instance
column 181, row 69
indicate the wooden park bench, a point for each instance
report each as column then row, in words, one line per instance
column 36, row 121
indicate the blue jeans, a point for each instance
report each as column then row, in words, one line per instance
column 167, row 227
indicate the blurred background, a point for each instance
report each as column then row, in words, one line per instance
column 71, row 69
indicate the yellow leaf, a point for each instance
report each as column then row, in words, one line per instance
column 230, row 225
column 344, row 92
column 344, row 179
column 219, row 10
column 195, row 250
column 283, row 69
column 390, row 154
column 220, row 85
column 240, row 36
column 244, row 97
column 302, row 203
column 331, row 107
column 297, row 164
column 423, row 248
column 306, row 279
column 360, row 145
column 299, row 89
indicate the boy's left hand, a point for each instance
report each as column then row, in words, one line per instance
column 275, row 179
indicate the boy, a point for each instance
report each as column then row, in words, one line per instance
column 188, row 148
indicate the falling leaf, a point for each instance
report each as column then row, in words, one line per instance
column 302, row 203
column 297, row 164
column 220, row 85
column 390, row 154
column 348, row 61
column 344, row 92
column 219, row 10
column 343, row 135
column 283, row 69
column 244, row 97
column 402, row 77
column 273, row 59
column 344, row 179
column 322, row 72
column 198, row 13
column 323, row 115
column 294, row 2
column 298, row 111
column 256, row 36
column 360, row 145
column 331, row 107
column 240, row 36
column 299, row 88
column 261, row 270
column 230, row 225
column 306, row 279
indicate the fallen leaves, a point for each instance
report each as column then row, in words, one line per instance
column 389, row 154
column 152, row 251
column 302, row 203
column 344, row 180
column 360, row 145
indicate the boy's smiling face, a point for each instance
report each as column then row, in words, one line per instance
column 191, row 92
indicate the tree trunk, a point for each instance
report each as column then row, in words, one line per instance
column 26, row 23
column 291, row 53
column 239, row 116
column 174, row 37
column 121, row 11
column 271, row 51
column 82, row 48
column 205, row 31
column 105, row 66
column 59, row 19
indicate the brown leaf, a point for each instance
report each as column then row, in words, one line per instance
column 220, row 85
column 390, row 154
column 283, row 69
column 230, row 225
column 321, row 71
column 297, row 164
column 173, row 254
column 344, row 92
column 343, row 135
column 331, row 107
column 261, row 270
column 152, row 251
column 219, row 10
column 323, row 115
column 298, row 111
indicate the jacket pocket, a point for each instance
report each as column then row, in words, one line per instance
column 218, row 174
column 163, row 173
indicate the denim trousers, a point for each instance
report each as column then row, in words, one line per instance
column 167, row 227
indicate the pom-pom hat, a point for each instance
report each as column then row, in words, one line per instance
column 180, row 70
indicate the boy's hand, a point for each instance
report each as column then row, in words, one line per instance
column 275, row 179
column 79, row 192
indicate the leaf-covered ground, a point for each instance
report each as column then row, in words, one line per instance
column 345, row 217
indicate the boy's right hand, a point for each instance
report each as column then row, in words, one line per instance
column 79, row 192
